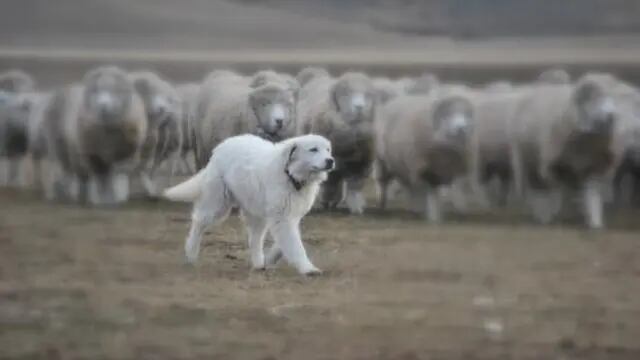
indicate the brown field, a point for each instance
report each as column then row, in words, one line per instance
column 111, row 283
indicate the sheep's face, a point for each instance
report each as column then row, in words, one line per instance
column 452, row 120
column 596, row 110
column 162, row 102
column 16, row 82
column 108, row 92
column 273, row 107
column 354, row 97
column 309, row 158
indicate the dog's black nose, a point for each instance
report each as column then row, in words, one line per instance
column 279, row 122
column 329, row 163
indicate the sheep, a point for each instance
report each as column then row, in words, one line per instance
column 499, row 86
column 627, row 140
column 342, row 110
column 265, row 77
column 14, row 114
column 39, row 103
column 163, row 106
column 16, row 81
column 229, row 106
column 20, row 123
column 554, row 76
column 490, row 144
column 13, row 126
column 189, row 94
column 424, row 144
column 287, row 81
column 93, row 135
column 423, row 84
column 562, row 137
column 387, row 89
column 309, row 73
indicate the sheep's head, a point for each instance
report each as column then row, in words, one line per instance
column 595, row 107
column 273, row 107
column 16, row 81
column 554, row 76
column 452, row 119
column 162, row 102
column 108, row 92
column 353, row 96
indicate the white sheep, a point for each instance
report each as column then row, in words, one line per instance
column 342, row 110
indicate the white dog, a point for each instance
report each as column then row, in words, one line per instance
column 274, row 185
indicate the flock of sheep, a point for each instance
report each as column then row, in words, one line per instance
column 535, row 144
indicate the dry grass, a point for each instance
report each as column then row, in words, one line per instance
column 87, row 283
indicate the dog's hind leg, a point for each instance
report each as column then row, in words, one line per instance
column 211, row 208
column 257, row 229
column 286, row 233
column 274, row 254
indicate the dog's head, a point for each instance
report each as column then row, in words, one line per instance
column 273, row 107
column 162, row 102
column 452, row 119
column 108, row 92
column 308, row 159
column 353, row 96
column 596, row 109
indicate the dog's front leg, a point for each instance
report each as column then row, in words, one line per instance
column 286, row 234
column 257, row 229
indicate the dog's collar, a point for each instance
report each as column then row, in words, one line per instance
column 297, row 184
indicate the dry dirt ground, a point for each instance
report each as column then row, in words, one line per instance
column 111, row 283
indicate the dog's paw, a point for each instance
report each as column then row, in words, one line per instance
column 312, row 271
column 191, row 259
column 258, row 267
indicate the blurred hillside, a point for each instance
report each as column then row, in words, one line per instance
column 283, row 24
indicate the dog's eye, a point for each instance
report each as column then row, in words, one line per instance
column 313, row 150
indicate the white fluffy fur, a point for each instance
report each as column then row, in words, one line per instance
column 251, row 173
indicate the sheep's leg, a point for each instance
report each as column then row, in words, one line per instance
column 517, row 168
column 332, row 191
column 383, row 178
column 149, row 186
column 432, row 208
column 355, row 198
column 592, row 203
column 545, row 204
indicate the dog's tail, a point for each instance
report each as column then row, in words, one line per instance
column 187, row 191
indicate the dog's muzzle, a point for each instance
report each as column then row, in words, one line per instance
column 329, row 164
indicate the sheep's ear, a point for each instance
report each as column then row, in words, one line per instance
column 333, row 94
column 143, row 87
column 442, row 111
column 585, row 92
column 254, row 98
column 8, row 84
column 448, row 106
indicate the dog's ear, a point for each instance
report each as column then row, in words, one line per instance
column 292, row 152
